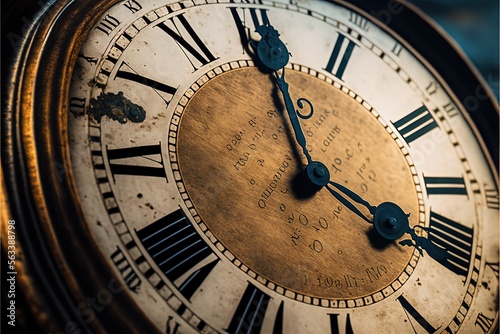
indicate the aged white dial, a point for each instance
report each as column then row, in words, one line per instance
column 189, row 174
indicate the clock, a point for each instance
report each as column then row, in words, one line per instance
column 252, row 166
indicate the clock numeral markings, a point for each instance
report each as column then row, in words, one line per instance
column 445, row 185
column 137, row 157
column 335, row 324
column 339, row 52
column 397, row 49
column 258, row 17
column 90, row 60
column 77, row 106
column 483, row 322
column 133, row 5
column 127, row 273
column 131, row 75
column 178, row 249
column 195, row 47
column 278, row 323
column 250, row 313
column 491, row 194
column 432, row 87
column 108, row 24
column 415, row 124
column 359, row 21
column 456, row 239
column 411, row 311
column 172, row 326
column 450, row 109
column 493, row 266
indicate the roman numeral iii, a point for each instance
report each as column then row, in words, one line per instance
column 415, row 124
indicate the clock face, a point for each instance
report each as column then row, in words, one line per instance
column 190, row 174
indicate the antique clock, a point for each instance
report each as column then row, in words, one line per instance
column 247, row 166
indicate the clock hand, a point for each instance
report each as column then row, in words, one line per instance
column 388, row 219
column 293, row 114
column 273, row 53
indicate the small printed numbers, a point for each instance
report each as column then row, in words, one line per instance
column 172, row 326
column 415, row 124
column 493, row 266
column 484, row 323
column 108, row 24
column 359, row 21
column 77, row 106
column 127, row 273
column 450, row 109
column 397, row 49
column 133, row 5
column 491, row 195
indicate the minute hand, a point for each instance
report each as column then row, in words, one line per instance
column 293, row 113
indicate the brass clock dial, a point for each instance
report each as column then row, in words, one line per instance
column 188, row 170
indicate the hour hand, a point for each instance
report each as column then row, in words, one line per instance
column 388, row 219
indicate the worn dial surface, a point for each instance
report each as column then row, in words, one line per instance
column 189, row 174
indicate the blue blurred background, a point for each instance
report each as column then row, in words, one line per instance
column 473, row 24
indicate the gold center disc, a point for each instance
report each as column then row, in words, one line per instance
column 240, row 164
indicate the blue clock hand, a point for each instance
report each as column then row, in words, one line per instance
column 273, row 53
column 294, row 114
column 388, row 219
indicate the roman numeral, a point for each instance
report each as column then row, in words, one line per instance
column 342, row 54
column 128, row 73
column 493, row 266
column 415, row 124
column 484, row 322
column 142, row 161
column 411, row 311
column 278, row 323
column 456, row 239
column 177, row 249
column 248, row 22
column 108, row 24
column 450, row 109
column 397, row 48
column 133, row 5
column 127, row 273
column 445, row 186
column 77, row 106
column 250, row 313
column 359, row 21
column 491, row 195
column 172, row 326
column 194, row 50
column 335, row 324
